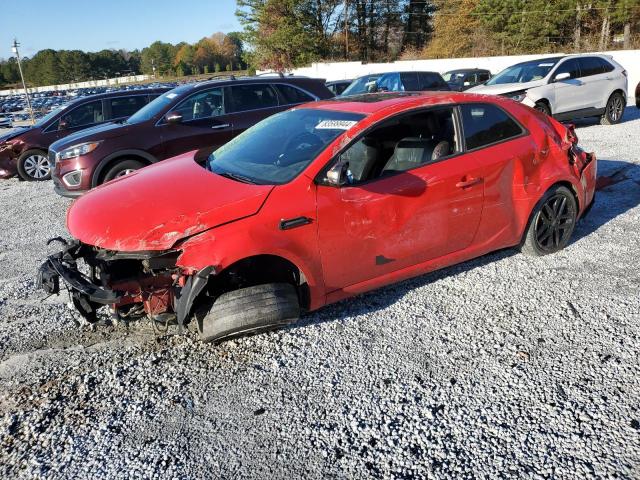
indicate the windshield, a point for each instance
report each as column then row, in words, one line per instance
column 152, row 108
column 277, row 149
column 524, row 72
column 360, row 85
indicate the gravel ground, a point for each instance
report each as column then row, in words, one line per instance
column 502, row 366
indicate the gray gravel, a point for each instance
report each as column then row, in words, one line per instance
column 502, row 366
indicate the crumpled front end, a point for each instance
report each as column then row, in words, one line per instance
column 8, row 159
column 132, row 284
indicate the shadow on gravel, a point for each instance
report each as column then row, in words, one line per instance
column 630, row 113
column 621, row 193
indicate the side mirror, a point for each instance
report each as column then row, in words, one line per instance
column 173, row 118
column 337, row 175
column 562, row 76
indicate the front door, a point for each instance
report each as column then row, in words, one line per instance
column 205, row 125
column 408, row 203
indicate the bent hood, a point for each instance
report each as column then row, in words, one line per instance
column 155, row 207
column 502, row 88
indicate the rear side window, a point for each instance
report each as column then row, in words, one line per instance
column 486, row 124
column 410, row 82
column 430, row 81
column 122, row 107
column 571, row 67
column 252, row 97
column 591, row 66
column 606, row 66
column 86, row 114
column 295, row 95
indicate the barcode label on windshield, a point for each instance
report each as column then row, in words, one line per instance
column 335, row 124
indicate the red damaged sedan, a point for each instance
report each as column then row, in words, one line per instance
column 320, row 203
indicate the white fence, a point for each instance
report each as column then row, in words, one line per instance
column 70, row 86
column 629, row 59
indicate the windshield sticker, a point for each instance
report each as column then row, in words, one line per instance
column 171, row 96
column 335, row 124
column 546, row 64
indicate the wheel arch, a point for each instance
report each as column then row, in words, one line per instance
column 258, row 269
column 560, row 183
column 110, row 160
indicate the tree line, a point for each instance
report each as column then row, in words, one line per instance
column 219, row 52
column 283, row 34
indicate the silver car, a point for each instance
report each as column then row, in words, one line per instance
column 567, row 87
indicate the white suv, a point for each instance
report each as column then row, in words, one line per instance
column 568, row 87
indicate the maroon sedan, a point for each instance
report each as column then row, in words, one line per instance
column 24, row 151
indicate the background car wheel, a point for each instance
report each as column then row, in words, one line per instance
column 250, row 310
column 33, row 165
column 543, row 107
column 122, row 168
column 614, row 110
column 552, row 223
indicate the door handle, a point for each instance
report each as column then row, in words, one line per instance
column 469, row 182
column 218, row 127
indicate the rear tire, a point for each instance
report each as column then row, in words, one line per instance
column 552, row 223
column 543, row 107
column 122, row 168
column 250, row 310
column 33, row 166
column 614, row 110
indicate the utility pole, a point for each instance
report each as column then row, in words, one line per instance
column 346, row 32
column 14, row 49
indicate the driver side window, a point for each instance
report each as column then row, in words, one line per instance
column 571, row 67
column 205, row 104
column 402, row 144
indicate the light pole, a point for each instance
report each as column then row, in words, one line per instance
column 14, row 49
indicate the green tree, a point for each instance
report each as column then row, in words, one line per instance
column 280, row 32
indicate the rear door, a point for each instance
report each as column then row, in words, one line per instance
column 569, row 92
column 596, row 80
column 121, row 108
column 249, row 103
column 205, row 126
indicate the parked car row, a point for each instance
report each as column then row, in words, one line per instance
column 24, row 151
column 567, row 87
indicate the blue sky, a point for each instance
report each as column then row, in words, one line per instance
column 92, row 25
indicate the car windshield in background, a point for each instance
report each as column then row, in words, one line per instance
column 360, row 85
column 277, row 149
column 524, row 72
column 152, row 108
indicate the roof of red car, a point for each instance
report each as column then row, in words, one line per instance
column 370, row 103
